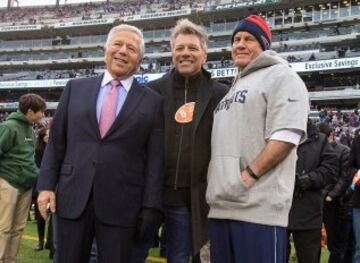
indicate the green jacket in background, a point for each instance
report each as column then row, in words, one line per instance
column 17, row 148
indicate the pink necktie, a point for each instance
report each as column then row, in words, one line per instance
column 108, row 109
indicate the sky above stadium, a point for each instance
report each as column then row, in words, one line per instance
column 3, row 3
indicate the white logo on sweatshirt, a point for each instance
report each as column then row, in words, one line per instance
column 239, row 97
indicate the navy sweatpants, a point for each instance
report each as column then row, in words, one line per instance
column 242, row 242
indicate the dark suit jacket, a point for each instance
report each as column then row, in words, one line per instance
column 123, row 170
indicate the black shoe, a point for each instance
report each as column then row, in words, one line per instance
column 47, row 246
column 38, row 247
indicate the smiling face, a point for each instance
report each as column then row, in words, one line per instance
column 245, row 49
column 122, row 54
column 187, row 54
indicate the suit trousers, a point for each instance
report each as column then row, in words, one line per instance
column 75, row 238
column 14, row 210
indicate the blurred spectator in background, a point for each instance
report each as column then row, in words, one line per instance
column 337, row 223
column 316, row 167
column 42, row 140
column 18, row 172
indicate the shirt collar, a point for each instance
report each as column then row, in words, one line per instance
column 126, row 83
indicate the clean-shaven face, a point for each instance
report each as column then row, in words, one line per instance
column 245, row 49
column 122, row 54
column 187, row 54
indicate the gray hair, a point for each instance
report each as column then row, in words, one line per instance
column 127, row 28
column 186, row 27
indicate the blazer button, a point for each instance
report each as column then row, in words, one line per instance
column 93, row 162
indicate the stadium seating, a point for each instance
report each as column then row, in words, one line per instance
column 61, row 42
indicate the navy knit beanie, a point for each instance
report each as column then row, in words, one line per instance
column 256, row 26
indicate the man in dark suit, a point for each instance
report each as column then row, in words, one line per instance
column 102, row 169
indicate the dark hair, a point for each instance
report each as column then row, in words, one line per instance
column 40, row 144
column 31, row 101
column 325, row 128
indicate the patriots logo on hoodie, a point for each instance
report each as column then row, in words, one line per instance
column 239, row 97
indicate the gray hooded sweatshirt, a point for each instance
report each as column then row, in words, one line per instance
column 267, row 96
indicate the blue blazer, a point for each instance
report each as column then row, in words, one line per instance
column 123, row 170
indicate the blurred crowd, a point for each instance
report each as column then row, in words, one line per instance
column 36, row 15
column 345, row 124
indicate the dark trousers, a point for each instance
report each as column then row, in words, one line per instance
column 242, row 242
column 349, row 253
column 141, row 247
column 54, row 238
column 41, row 224
column 75, row 238
column 49, row 240
column 338, row 231
column 307, row 245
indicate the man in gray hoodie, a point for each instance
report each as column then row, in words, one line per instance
column 256, row 129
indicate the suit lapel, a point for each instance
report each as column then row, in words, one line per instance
column 131, row 103
column 92, row 94
column 203, row 97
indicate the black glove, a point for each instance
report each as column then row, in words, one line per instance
column 149, row 220
column 303, row 181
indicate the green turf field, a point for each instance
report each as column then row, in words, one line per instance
column 28, row 255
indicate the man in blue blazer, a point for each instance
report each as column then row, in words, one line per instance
column 102, row 170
